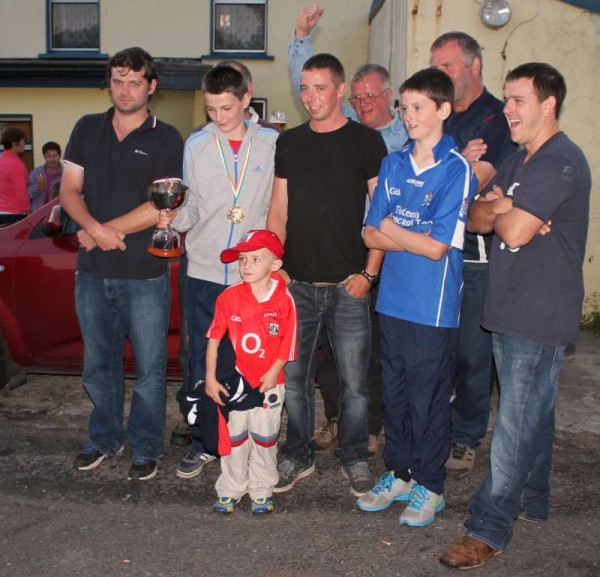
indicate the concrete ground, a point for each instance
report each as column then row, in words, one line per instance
column 58, row 522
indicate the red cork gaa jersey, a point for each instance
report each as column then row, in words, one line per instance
column 260, row 333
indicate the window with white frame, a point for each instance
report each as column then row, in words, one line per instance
column 239, row 26
column 74, row 25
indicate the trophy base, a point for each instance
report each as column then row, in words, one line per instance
column 165, row 252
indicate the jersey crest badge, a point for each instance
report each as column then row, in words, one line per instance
column 427, row 199
column 273, row 329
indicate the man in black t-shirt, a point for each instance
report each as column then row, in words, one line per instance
column 324, row 170
column 538, row 207
column 480, row 130
column 121, row 291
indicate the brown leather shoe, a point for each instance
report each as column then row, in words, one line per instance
column 468, row 553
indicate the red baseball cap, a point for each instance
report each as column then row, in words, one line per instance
column 254, row 240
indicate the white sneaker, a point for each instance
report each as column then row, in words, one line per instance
column 422, row 507
column 388, row 489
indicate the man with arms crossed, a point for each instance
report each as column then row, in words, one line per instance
column 539, row 209
column 324, row 170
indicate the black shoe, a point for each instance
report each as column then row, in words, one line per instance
column 181, row 435
column 91, row 457
column 142, row 469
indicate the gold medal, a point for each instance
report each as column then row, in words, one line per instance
column 235, row 214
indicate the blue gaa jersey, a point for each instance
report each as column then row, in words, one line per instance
column 435, row 200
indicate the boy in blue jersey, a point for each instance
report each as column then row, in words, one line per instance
column 418, row 218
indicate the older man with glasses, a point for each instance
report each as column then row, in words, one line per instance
column 370, row 93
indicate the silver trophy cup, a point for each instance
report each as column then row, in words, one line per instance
column 166, row 194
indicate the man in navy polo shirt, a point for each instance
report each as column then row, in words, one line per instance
column 121, row 291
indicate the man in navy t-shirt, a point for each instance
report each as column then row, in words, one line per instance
column 538, row 207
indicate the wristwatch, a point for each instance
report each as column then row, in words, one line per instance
column 372, row 278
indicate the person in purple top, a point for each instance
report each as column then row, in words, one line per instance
column 44, row 180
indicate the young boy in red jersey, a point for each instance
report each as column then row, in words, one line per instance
column 260, row 318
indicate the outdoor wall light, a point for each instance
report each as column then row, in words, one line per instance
column 494, row 13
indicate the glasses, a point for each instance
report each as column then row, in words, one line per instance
column 368, row 97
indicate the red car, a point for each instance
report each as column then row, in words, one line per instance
column 39, row 331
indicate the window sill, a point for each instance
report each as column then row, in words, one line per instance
column 74, row 54
column 237, row 56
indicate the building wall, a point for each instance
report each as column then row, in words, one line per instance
column 550, row 31
column 55, row 110
column 181, row 29
column 23, row 28
column 342, row 31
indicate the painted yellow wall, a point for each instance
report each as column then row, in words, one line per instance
column 23, row 25
column 539, row 30
column 343, row 31
column 181, row 29
column 55, row 110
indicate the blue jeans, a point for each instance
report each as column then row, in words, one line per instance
column 348, row 325
column 418, row 363
column 518, row 481
column 471, row 406
column 201, row 296
column 109, row 311
column 328, row 379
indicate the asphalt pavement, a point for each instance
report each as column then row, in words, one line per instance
column 59, row 522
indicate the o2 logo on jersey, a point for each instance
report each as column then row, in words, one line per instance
column 251, row 344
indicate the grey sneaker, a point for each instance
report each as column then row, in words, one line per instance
column 327, row 436
column 290, row 473
column 359, row 476
column 388, row 490
column 462, row 459
column 193, row 463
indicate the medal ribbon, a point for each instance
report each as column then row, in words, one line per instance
column 236, row 187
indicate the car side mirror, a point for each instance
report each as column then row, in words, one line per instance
column 53, row 224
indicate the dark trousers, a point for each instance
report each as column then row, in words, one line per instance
column 471, row 406
column 200, row 299
column 184, row 344
column 418, row 363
